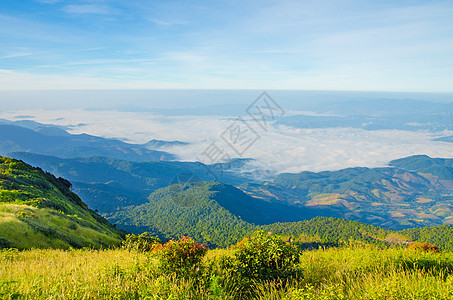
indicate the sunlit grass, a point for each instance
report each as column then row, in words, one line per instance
column 335, row 273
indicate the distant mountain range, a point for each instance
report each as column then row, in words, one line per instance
column 38, row 210
column 412, row 192
column 156, row 144
column 375, row 115
column 33, row 137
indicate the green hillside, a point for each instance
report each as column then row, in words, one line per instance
column 107, row 184
column 441, row 168
column 193, row 212
column 441, row 236
column 38, row 210
column 207, row 212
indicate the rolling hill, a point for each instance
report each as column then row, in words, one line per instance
column 38, row 210
column 414, row 192
column 209, row 212
column 107, row 184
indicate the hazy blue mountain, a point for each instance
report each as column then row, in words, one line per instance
column 156, row 144
column 55, row 141
column 383, row 107
column 410, row 122
column 30, row 124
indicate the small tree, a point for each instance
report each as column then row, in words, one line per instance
column 142, row 243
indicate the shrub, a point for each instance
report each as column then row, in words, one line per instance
column 424, row 247
column 142, row 243
column 266, row 257
column 259, row 260
column 182, row 257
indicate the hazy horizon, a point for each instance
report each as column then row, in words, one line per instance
column 180, row 98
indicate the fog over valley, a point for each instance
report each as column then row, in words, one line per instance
column 299, row 140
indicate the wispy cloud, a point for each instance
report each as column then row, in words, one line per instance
column 95, row 9
column 89, row 49
column 13, row 55
column 100, row 62
column 168, row 22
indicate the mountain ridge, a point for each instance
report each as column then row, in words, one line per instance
column 54, row 142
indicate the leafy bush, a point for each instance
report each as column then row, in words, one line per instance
column 142, row 243
column 182, row 257
column 260, row 259
column 266, row 257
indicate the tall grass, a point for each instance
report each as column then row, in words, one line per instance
column 87, row 274
column 334, row 273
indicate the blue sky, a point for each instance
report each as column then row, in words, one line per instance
column 306, row 45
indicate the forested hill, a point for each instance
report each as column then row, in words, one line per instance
column 441, row 168
column 416, row 191
column 38, row 210
column 199, row 210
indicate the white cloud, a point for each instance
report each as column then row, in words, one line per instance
column 281, row 149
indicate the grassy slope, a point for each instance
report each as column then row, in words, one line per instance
column 39, row 210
